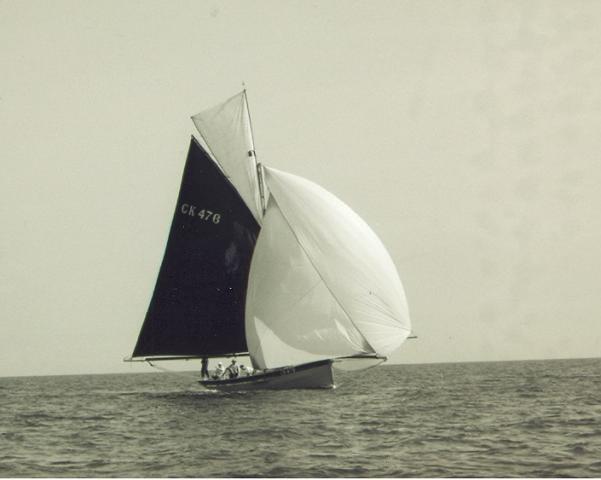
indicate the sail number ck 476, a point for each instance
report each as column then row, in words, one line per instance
column 203, row 214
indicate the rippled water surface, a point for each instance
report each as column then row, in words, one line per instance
column 479, row 419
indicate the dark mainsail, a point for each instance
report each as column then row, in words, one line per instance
column 197, row 307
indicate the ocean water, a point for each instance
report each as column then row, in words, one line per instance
column 538, row 418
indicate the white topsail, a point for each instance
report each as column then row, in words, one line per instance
column 321, row 283
column 226, row 131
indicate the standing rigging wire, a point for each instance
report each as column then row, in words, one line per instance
column 181, row 374
column 253, row 153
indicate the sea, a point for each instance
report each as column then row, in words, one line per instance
column 506, row 419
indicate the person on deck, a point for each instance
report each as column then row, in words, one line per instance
column 219, row 371
column 204, row 368
column 233, row 371
column 246, row 371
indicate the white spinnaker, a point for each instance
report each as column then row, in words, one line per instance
column 291, row 316
column 348, row 256
column 226, row 131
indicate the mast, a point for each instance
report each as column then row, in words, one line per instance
column 252, row 153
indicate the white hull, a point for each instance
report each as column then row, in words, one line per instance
column 309, row 375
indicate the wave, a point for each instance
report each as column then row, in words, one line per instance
column 484, row 420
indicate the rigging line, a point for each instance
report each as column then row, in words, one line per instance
column 209, row 150
column 180, row 374
column 259, row 170
column 313, row 287
column 250, row 122
column 380, row 362
column 319, row 273
column 302, row 297
column 385, row 311
column 227, row 179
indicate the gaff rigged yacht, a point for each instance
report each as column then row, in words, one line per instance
column 266, row 263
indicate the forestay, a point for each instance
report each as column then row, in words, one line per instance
column 227, row 132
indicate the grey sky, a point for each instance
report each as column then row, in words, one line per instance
column 465, row 133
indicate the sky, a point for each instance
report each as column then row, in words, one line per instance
column 465, row 133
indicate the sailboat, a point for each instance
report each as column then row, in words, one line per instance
column 268, row 264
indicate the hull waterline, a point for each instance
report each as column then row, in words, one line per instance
column 307, row 376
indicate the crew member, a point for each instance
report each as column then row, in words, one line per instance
column 204, row 368
column 219, row 371
column 233, row 371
